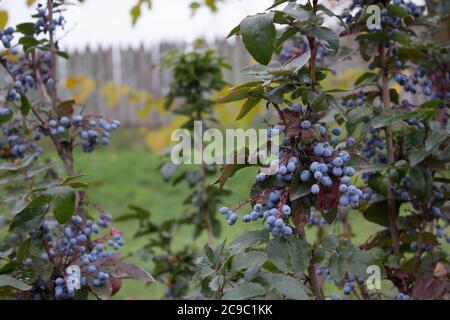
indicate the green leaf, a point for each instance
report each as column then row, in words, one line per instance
column 330, row 13
column 62, row 201
column 352, row 260
column 249, row 104
column 298, row 63
column 365, row 76
column 400, row 38
column 395, row 10
column 23, row 251
column 248, row 240
column 26, row 28
column 290, row 287
column 337, row 267
column 324, row 34
column 9, row 281
column 259, row 35
column 25, row 105
column 389, row 117
column 416, row 156
column 297, row 12
column 394, row 96
column 28, row 42
column 278, row 252
column 234, row 31
column 299, row 189
column 62, row 54
column 284, row 35
column 330, row 242
column 300, row 254
column 359, row 262
column 244, row 291
column 277, row 3
column 378, row 184
column 24, row 163
column 422, row 181
column 244, row 260
column 377, row 212
column 31, row 217
column 437, row 137
column 235, row 95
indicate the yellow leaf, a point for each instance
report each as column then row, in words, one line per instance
column 3, row 19
column 211, row 4
column 159, row 139
column 30, row 2
column 113, row 93
column 81, row 87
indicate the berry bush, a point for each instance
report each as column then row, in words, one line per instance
column 377, row 151
column 383, row 157
column 55, row 247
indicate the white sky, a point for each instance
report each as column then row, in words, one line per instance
column 108, row 22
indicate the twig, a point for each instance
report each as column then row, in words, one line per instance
column 392, row 206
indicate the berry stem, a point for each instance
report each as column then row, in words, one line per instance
column 392, row 206
column 53, row 93
column 205, row 211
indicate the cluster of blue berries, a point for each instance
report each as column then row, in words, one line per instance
column 286, row 171
column 71, row 244
column 91, row 137
column 229, row 214
column 14, row 145
column 274, row 217
column 424, row 246
column 273, row 213
column 7, row 35
column 21, row 69
column 356, row 101
column 351, row 282
column 387, row 18
column 334, row 166
column 373, row 147
column 315, row 218
column 89, row 130
column 414, row 122
column 43, row 24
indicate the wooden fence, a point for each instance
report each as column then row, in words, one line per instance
column 139, row 69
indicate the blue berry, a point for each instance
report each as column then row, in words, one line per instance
column 306, row 124
column 304, row 176
column 336, row 131
column 297, row 107
column 315, row 188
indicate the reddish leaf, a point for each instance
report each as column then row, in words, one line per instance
column 65, row 108
column 116, row 284
column 129, row 271
column 327, row 196
column 428, row 287
column 399, row 277
column 103, row 292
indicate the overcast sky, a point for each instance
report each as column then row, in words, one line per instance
column 108, row 22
